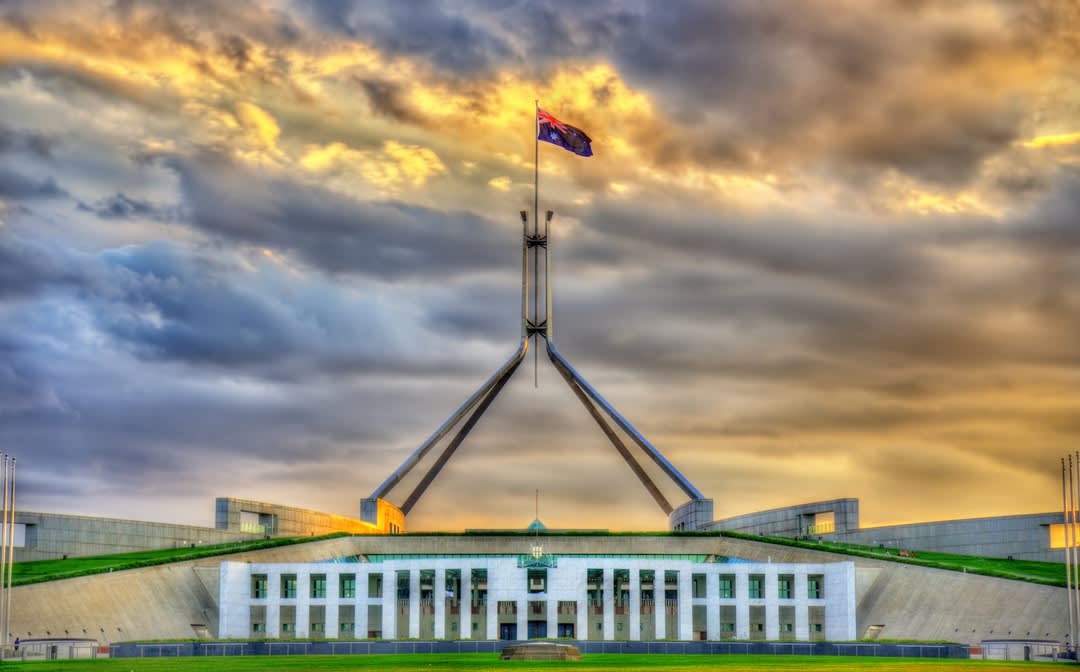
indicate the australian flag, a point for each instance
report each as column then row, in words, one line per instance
column 550, row 129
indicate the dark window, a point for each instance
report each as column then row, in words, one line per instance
column 288, row 587
column 318, row 585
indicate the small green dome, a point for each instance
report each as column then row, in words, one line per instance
column 536, row 525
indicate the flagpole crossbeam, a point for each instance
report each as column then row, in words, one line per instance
column 550, row 130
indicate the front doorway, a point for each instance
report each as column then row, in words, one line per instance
column 508, row 631
column 537, row 629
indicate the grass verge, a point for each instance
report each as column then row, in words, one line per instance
column 39, row 571
column 590, row 663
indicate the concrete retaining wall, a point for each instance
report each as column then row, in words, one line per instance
column 1025, row 537
column 52, row 536
column 910, row 602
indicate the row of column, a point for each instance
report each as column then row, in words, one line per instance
column 519, row 595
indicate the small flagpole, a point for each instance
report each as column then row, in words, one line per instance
column 536, row 231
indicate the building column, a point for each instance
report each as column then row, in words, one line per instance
column 414, row 604
column 712, row 606
column 389, row 605
column 522, row 615
column 839, row 600
column 635, row 605
column 439, row 599
column 581, row 630
column 802, row 607
column 660, row 602
column 332, row 602
column 772, row 605
column 360, row 622
column 303, row 602
column 609, row 604
column 686, row 606
column 465, row 604
column 742, row 603
column 552, row 616
column 492, row 607
column 273, row 604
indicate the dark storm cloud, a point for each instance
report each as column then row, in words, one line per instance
column 334, row 233
column 858, row 257
column 28, row 267
column 186, row 21
column 1053, row 226
column 750, row 84
column 237, row 50
column 15, row 185
column 387, row 99
column 35, row 144
column 122, row 206
column 816, row 296
column 440, row 33
column 171, row 307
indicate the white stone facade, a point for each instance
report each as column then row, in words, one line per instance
column 581, row 597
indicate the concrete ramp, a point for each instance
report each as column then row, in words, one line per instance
column 912, row 602
column 174, row 601
column 179, row 601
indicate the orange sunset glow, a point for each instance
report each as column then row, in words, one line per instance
column 263, row 249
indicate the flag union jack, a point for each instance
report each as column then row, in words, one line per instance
column 570, row 138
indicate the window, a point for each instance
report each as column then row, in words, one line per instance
column 727, row 586
column 286, row 627
column 348, row 585
column 784, row 585
column 374, row 585
column 697, row 585
column 787, row 627
column 816, row 627
column 815, row 586
column 317, row 627
column 727, row 627
column 537, row 580
column 348, row 627
column 318, row 585
column 288, row 586
column 757, row 586
column 259, row 589
column 258, row 627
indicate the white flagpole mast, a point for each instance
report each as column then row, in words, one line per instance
column 1068, row 552
column 3, row 552
column 536, row 231
column 11, row 554
column 1075, row 503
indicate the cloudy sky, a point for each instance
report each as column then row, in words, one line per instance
column 263, row 249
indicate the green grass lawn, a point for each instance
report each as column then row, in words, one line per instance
column 623, row 663
column 1048, row 573
column 38, row 571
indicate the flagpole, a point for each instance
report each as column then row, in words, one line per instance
column 1068, row 554
column 11, row 554
column 536, row 230
column 3, row 549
